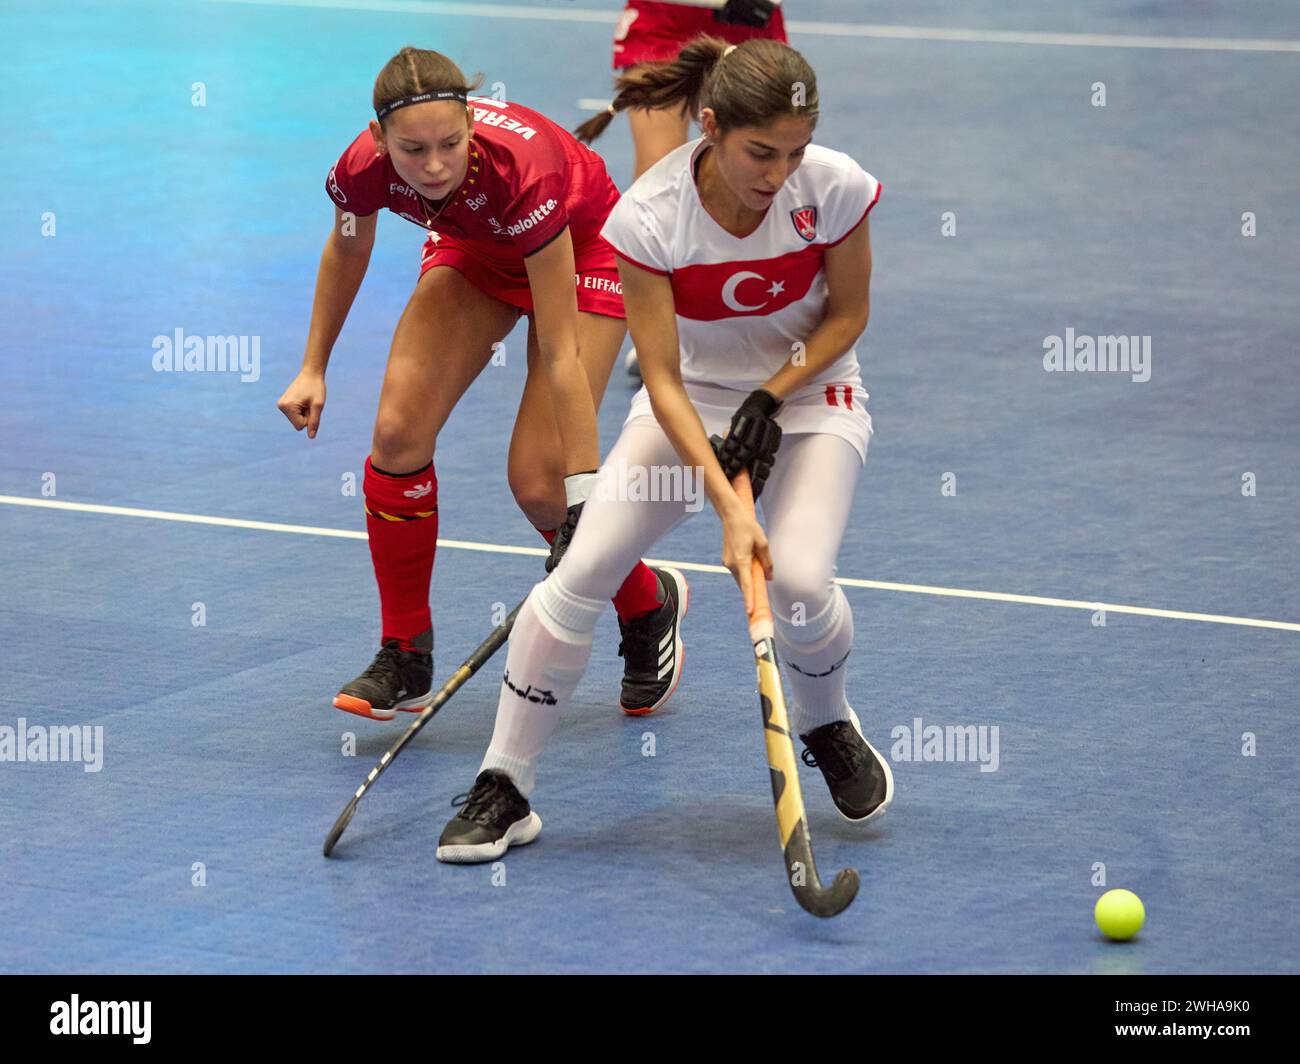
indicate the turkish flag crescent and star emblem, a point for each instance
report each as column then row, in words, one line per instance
column 805, row 222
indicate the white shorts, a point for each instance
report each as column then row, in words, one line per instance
column 832, row 409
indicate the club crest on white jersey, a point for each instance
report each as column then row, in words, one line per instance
column 744, row 304
column 805, row 222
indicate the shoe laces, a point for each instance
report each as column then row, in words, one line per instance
column 840, row 753
column 483, row 802
column 386, row 663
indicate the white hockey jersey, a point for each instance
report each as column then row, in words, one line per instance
column 743, row 303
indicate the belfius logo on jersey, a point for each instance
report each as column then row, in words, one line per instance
column 805, row 222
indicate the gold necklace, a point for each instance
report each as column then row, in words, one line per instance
column 424, row 204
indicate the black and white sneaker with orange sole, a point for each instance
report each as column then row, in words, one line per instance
column 651, row 648
column 397, row 680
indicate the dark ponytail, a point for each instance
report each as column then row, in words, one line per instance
column 751, row 85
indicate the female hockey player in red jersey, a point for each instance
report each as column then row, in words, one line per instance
column 514, row 206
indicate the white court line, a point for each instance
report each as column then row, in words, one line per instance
column 821, row 29
column 697, row 567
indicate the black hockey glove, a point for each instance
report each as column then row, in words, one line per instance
column 752, row 440
column 577, row 489
column 745, row 12
column 563, row 535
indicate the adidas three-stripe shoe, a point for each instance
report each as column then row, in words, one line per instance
column 396, row 679
column 652, row 648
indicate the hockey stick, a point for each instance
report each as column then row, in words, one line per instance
column 791, row 820
column 471, row 665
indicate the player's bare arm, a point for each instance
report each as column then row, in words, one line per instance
column 848, row 307
column 550, row 275
column 343, row 266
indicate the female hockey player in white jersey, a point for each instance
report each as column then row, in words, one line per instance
column 746, row 263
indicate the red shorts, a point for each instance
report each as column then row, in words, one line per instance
column 596, row 275
column 652, row 31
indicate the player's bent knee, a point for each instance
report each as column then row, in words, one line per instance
column 800, row 591
column 540, row 499
column 542, row 515
column 397, row 445
column 808, row 620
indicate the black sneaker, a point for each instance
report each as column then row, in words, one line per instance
column 652, row 648
column 494, row 818
column 396, row 679
column 860, row 781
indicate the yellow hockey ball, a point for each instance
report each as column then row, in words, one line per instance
column 1119, row 914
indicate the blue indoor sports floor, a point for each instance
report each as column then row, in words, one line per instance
column 1158, row 748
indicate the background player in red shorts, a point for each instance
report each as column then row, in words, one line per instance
column 652, row 31
column 514, row 206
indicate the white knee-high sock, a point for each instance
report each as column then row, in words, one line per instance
column 814, row 659
column 548, row 653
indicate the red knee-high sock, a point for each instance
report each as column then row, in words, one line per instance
column 402, row 521
column 639, row 593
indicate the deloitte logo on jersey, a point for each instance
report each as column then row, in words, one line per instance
column 536, row 218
